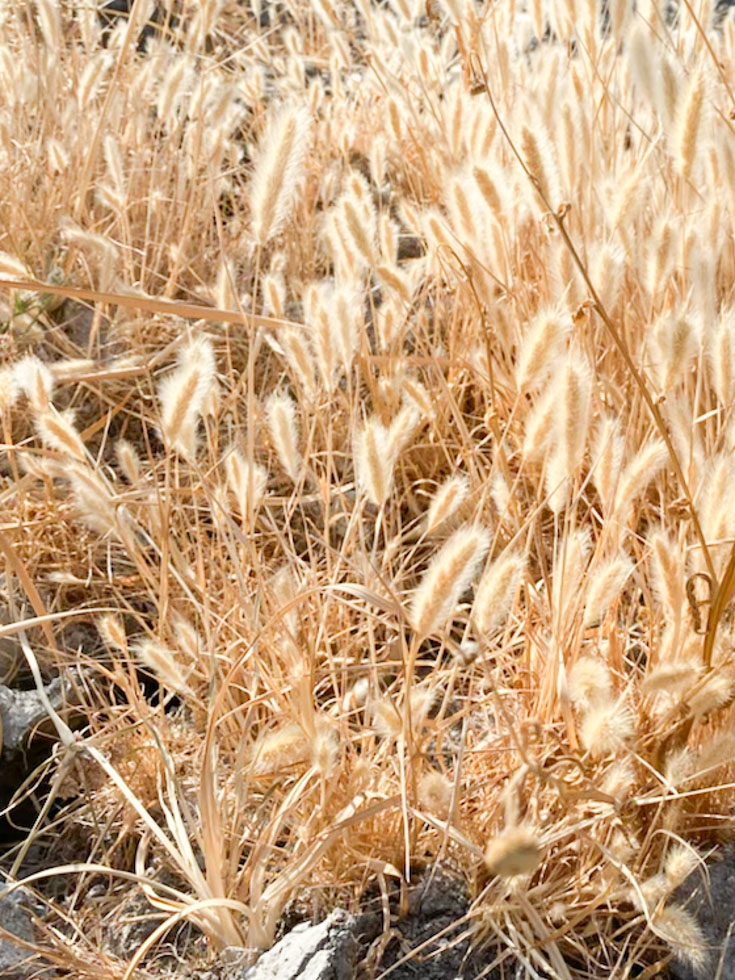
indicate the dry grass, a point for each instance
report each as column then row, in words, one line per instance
column 392, row 461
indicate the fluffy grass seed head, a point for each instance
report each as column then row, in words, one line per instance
column 403, row 428
column 650, row 893
column 435, row 794
column 680, row 862
column 640, row 471
column 515, row 851
column 540, row 160
column 450, row 573
column 590, row 683
column 394, row 279
column 604, row 586
column 356, row 220
column 357, row 695
column 669, row 89
column 324, row 748
column 540, row 347
column 374, row 461
column 188, row 640
column 539, row 425
column 487, row 186
column 129, row 461
column 183, row 395
column 49, row 19
column 35, row 380
column 284, row 432
column 671, row 677
column 689, row 124
column 716, row 690
column 112, row 631
column 94, row 504
column 721, row 361
column 608, row 271
column 386, row 718
column 678, row 766
column 678, row 927
column 13, row 268
column 570, row 564
column 446, row 501
column 162, row 661
column 56, row 430
column 345, row 322
column 607, row 460
column 606, row 727
column 280, row 749
column 668, row 572
column 496, row 591
column 274, row 295
column 619, row 779
column 247, row 482
column 643, row 60
column 299, row 357
column 674, row 346
column 278, row 170
column 573, row 389
column 9, row 390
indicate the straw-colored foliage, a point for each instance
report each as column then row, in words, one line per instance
column 389, row 453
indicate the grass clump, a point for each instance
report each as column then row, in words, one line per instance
column 367, row 385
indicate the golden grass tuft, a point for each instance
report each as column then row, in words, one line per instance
column 366, row 401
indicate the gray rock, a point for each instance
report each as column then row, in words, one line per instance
column 15, row 917
column 326, row 951
column 27, row 736
column 20, row 711
column 710, row 898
